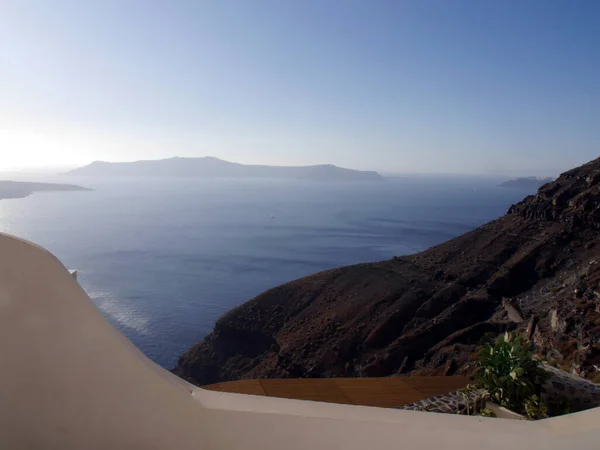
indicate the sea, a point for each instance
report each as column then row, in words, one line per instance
column 163, row 259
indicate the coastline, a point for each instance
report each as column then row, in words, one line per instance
column 10, row 190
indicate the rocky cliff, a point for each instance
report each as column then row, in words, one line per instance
column 537, row 269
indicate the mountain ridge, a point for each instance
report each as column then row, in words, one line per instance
column 211, row 167
column 425, row 313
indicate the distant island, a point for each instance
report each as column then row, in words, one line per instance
column 210, row 167
column 526, row 183
column 21, row 189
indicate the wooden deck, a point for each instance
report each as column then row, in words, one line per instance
column 388, row 392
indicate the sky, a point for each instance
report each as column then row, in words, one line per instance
column 446, row 86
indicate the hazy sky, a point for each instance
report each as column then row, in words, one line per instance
column 476, row 86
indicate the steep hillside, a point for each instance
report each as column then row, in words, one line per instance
column 536, row 268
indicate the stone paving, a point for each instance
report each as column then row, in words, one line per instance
column 451, row 403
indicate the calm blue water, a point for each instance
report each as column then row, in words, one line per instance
column 164, row 259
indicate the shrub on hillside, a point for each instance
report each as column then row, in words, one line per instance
column 508, row 371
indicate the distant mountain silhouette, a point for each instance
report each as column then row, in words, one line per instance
column 526, row 183
column 210, row 167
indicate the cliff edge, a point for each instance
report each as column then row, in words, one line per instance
column 537, row 269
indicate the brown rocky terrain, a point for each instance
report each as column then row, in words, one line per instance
column 537, row 269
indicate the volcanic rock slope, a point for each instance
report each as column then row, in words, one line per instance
column 536, row 269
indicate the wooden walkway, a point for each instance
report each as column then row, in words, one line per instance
column 388, row 392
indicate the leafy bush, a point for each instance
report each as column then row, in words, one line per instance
column 486, row 412
column 508, row 371
column 534, row 409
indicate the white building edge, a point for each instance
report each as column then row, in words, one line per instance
column 70, row 380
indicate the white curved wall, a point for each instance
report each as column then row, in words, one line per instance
column 69, row 380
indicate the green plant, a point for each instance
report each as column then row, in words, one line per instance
column 466, row 394
column 486, row 412
column 534, row 409
column 508, row 371
column 473, row 403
